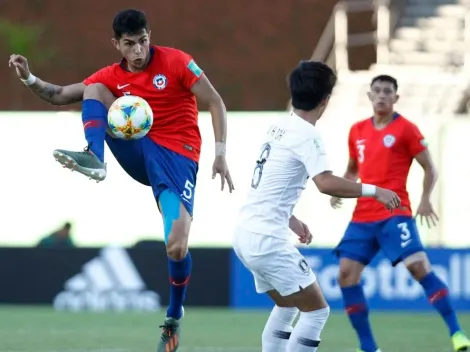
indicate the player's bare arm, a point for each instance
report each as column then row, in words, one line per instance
column 327, row 183
column 54, row 94
column 425, row 208
column 205, row 91
column 350, row 174
column 300, row 229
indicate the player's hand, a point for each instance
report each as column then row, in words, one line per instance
column 20, row 63
column 388, row 198
column 220, row 167
column 301, row 230
column 426, row 211
column 336, row 202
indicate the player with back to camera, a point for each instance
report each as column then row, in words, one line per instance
column 292, row 152
column 167, row 158
column 381, row 150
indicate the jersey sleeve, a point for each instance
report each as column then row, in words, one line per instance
column 415, row 141
column 351, row 145
column 187, row 69
column 313, row 156
column 102, row 76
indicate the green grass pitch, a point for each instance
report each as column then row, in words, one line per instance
column 36, row 329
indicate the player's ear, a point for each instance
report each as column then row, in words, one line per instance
column 396, row 98
column 115, row 43
column 326, row 100
column 149, row 33
column 369, row 96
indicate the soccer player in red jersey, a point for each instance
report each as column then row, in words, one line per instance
column 381, row 150
column 167, row 158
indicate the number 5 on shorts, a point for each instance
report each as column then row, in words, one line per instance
column 188, row 190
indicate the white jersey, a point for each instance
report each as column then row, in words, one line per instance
column 291, row 153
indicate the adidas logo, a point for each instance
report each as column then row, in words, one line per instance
column 108, row 282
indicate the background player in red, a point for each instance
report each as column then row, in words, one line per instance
column 381, row 151
column 167, row 158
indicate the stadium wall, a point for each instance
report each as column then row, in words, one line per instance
column 386, row 288
column 136, row 279
column 246, row 54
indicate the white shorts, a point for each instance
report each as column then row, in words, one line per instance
column 275, row 263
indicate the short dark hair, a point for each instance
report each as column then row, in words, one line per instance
column 385, row 78
column 129, row 22
column 309, row 83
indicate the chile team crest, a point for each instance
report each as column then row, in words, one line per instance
column 160, row 81
column 389, row 140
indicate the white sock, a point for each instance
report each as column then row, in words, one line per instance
column 278, row 329
column 306, row 334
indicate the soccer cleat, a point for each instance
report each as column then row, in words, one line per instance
column 169, row 341
column 84, row 162
column 460, row 342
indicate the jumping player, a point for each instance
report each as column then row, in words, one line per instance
column 381, row 151
column 167, row 158
column 292, row 152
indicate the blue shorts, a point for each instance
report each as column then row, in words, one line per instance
column 158, row 167
column 397, row 237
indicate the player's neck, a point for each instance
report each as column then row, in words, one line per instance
column 309, row 116
column 382, row 120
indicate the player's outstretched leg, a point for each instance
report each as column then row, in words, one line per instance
column 355, row 303
column 90, row 162
column 177, row 222
column 278, row 329
column 438, row 294
column 314, row 312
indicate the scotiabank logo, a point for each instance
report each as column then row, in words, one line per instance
column 391, row 283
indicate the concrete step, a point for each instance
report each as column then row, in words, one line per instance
column 431, row 10
column 426, row 58
column 439, row 46
column 413, row 33
column 435, row 2
column 432, row 22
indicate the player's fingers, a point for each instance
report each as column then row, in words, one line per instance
column 427, row 221
column 222, row 181
column 229, row 182
column 433, row 222
column 214, row 172
column 434, row 215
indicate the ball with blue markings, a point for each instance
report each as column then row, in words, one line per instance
column 130, row 117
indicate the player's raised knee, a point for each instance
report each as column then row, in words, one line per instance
column 99, row 91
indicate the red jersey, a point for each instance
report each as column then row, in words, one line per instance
column 384, row 159
column 166, row 85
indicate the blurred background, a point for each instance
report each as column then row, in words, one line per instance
column 78, row 246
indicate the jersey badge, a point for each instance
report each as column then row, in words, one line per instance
column 389, row 140
column 160, row 81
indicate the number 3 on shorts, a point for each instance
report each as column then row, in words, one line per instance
column 188, row 190
column 405, row 235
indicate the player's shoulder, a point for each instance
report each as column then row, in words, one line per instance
column 169, row 52
column 403, row 121
column 361, row 123
column 106, row 73
column 292, row 133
